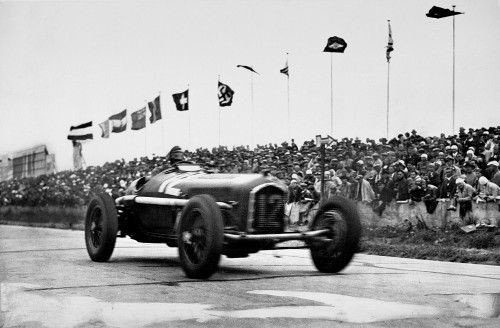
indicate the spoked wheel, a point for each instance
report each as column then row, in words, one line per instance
column 101, row 226
column 332, row 252
column 200, row 237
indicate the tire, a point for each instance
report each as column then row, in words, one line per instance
column 200, row 237
column 101, row 227
column 341, row 217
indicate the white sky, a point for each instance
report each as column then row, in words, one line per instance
column 65, row 63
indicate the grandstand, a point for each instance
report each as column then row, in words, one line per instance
column 26, row 163
column 427, row 181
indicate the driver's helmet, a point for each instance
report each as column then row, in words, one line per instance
column 175, row 155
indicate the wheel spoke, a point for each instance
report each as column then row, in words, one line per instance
column 335, row 222
column 195, row 245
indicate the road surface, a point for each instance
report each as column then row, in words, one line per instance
column 47, row 280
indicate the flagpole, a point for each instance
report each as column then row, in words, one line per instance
column 189, row 122
column 331, row 94
column 162, row 126
column 288, row 94
column 387, row 114
column 453, row 93
column 219, row 117
column 252, row 114
column 146, row 133
column 389, row 44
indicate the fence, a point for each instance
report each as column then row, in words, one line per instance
column 415, row 214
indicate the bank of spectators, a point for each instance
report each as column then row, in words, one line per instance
column 408, row 168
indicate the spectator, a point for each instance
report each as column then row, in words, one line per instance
column 493, row 172
column 399, row 186
column 470, row 177
column 488, row 191
column 463, row 196
column 364, row 191
column 447, row 187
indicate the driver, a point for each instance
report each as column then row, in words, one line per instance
column 175, row 155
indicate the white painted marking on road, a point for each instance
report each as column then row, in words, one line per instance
column 22, row 306
column 340, row 308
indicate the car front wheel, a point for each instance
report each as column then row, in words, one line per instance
column 333, row 252
column 200, row 237
column 101, row 226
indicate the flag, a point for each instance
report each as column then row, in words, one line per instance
column 248, row 68
column 225, row 95
column 181, row 100
column 154, row 108
column 438, row 12
column 335, row 44
column 81, row 132
column 105, row 129
column 390, row 43
column 284, row 70
column 139, row 119
column 118, row 121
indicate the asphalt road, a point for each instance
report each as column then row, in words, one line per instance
column 49, row 281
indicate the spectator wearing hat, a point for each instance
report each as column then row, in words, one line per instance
column 364, row 191
column 447, row 188
column 493, row 172
column 432, row 176
column 487, row 190
column 377, row 161
column 469, row 155
column 422, row 165
column 469, row 175
column 463, row 196
column 454, row 151
column 330, row 185
column 346, row 189
column 399, row 186
column 383, row 190
column 294, row 191
column 449, row 162
column 417, row 193
column 490, row 148
column 245, row 167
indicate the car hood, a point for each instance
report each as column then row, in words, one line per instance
column 223, row 187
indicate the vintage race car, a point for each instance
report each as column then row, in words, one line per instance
column 208, row 214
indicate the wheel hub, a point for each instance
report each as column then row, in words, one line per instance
column 335, row 222
column 186, row 237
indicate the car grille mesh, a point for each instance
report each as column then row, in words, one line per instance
column 269, row 210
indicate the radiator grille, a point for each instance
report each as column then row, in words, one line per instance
column 269, row 210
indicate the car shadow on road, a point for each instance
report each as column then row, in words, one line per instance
column 148, row 261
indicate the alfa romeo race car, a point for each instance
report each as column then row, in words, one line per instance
column 208, row 214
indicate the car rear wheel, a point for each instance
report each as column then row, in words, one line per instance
column 200, row 237
column 333, row 252
column 101, row 227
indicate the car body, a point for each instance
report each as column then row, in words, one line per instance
column 210, row 214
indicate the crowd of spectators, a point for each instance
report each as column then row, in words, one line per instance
column 408, row 168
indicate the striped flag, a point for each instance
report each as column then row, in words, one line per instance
column 81, row 132
column 105, row 129
column 118, row 121
column 154, row 108
column 390, row 44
